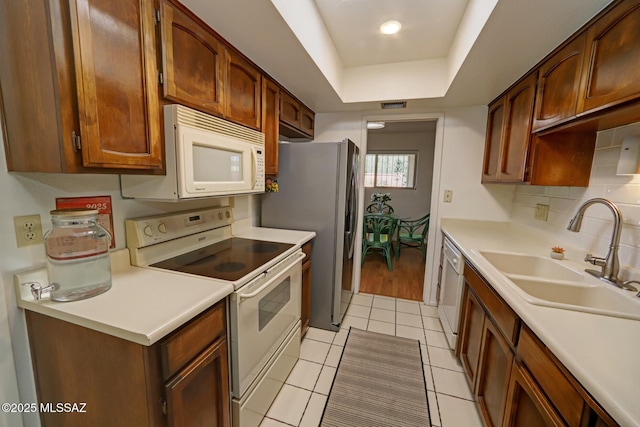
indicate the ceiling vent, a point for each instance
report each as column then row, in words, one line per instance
column 393, row 105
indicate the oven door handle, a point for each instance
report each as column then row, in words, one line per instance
column 266, row 285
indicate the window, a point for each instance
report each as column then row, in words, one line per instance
column 395, row 170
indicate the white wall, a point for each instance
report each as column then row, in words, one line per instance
column 594, row 237
column 462, row 157
column 25, row 194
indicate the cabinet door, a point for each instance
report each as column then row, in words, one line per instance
column 243, row 91
column 270, row 125
column 307, row 121
column 527, row 406
column 558, row 85
column 612, row 66
column 290, row 111
column 496, row 358
column 471, row 325
column 517, row 130
column 495, row 123
column 117, row 83
column 192, row 61
column 199, row 394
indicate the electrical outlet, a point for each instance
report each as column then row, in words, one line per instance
column 542, row 212
column 28, row 230
column 448, row 196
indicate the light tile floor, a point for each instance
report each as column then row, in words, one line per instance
column 302, row 399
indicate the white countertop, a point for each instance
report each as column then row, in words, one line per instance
column 295, row 237
column 600, row 351
column 144, row 304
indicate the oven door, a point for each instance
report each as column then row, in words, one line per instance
column 262, row 313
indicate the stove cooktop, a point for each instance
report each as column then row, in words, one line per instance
column 230, row 259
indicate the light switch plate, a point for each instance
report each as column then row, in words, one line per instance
column 448, row 196
column 542, row 212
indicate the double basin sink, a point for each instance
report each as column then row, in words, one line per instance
column 547, row 282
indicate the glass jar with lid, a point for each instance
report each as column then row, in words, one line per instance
column 77, row 250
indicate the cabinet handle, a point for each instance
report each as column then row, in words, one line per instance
column 76, row 142
column 163, row 403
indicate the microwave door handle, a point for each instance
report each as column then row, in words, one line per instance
column 254, row 167
column 266, row 285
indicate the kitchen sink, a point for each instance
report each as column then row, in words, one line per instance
column 531, row 265
column 597, row 298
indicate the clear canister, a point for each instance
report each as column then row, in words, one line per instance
column 77, row 250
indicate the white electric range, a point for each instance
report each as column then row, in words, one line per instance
column 264, row 309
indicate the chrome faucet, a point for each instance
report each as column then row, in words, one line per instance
column 610, row 264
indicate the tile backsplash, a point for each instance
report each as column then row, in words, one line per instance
column 597, row 226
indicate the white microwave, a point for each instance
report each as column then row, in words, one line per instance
column 205, row 157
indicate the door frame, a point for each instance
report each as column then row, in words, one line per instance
column 429, row 286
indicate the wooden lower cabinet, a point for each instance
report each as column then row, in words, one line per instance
column 516, row 380
column 305, row 312
column 496, row 358
column 471, row 326
column 526, row 405
column 181, row 380
column 196, row 396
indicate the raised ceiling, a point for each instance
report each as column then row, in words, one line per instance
column 449, row 53
column 428, row 29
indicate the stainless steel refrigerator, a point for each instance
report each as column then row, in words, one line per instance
column 318, row 191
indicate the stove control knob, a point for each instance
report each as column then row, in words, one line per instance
column 227, row 214
column 148, row 231
column 220, row 216
column 162, row 228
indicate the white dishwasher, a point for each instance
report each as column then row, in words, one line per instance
column 451, row 283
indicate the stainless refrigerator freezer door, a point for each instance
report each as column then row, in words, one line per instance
column 313, row 194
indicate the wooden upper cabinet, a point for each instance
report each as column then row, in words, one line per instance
column 307, row 121
column 270, row 128
column 509, row 134
column 558, row 85
column 296, row 119
column 243, row 91
column 611, row 67
column 193, row 61
column 517, row 130
column 86, row 99
column 495, row 123
column 290, row 111
column 118, row 99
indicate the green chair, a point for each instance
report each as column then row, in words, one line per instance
column 378, row 234
column 413, row 233
column 374, row 208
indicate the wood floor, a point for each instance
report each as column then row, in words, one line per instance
column 405, row 281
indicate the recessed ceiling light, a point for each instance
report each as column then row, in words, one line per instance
column 390, row 27
column 375, row 125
